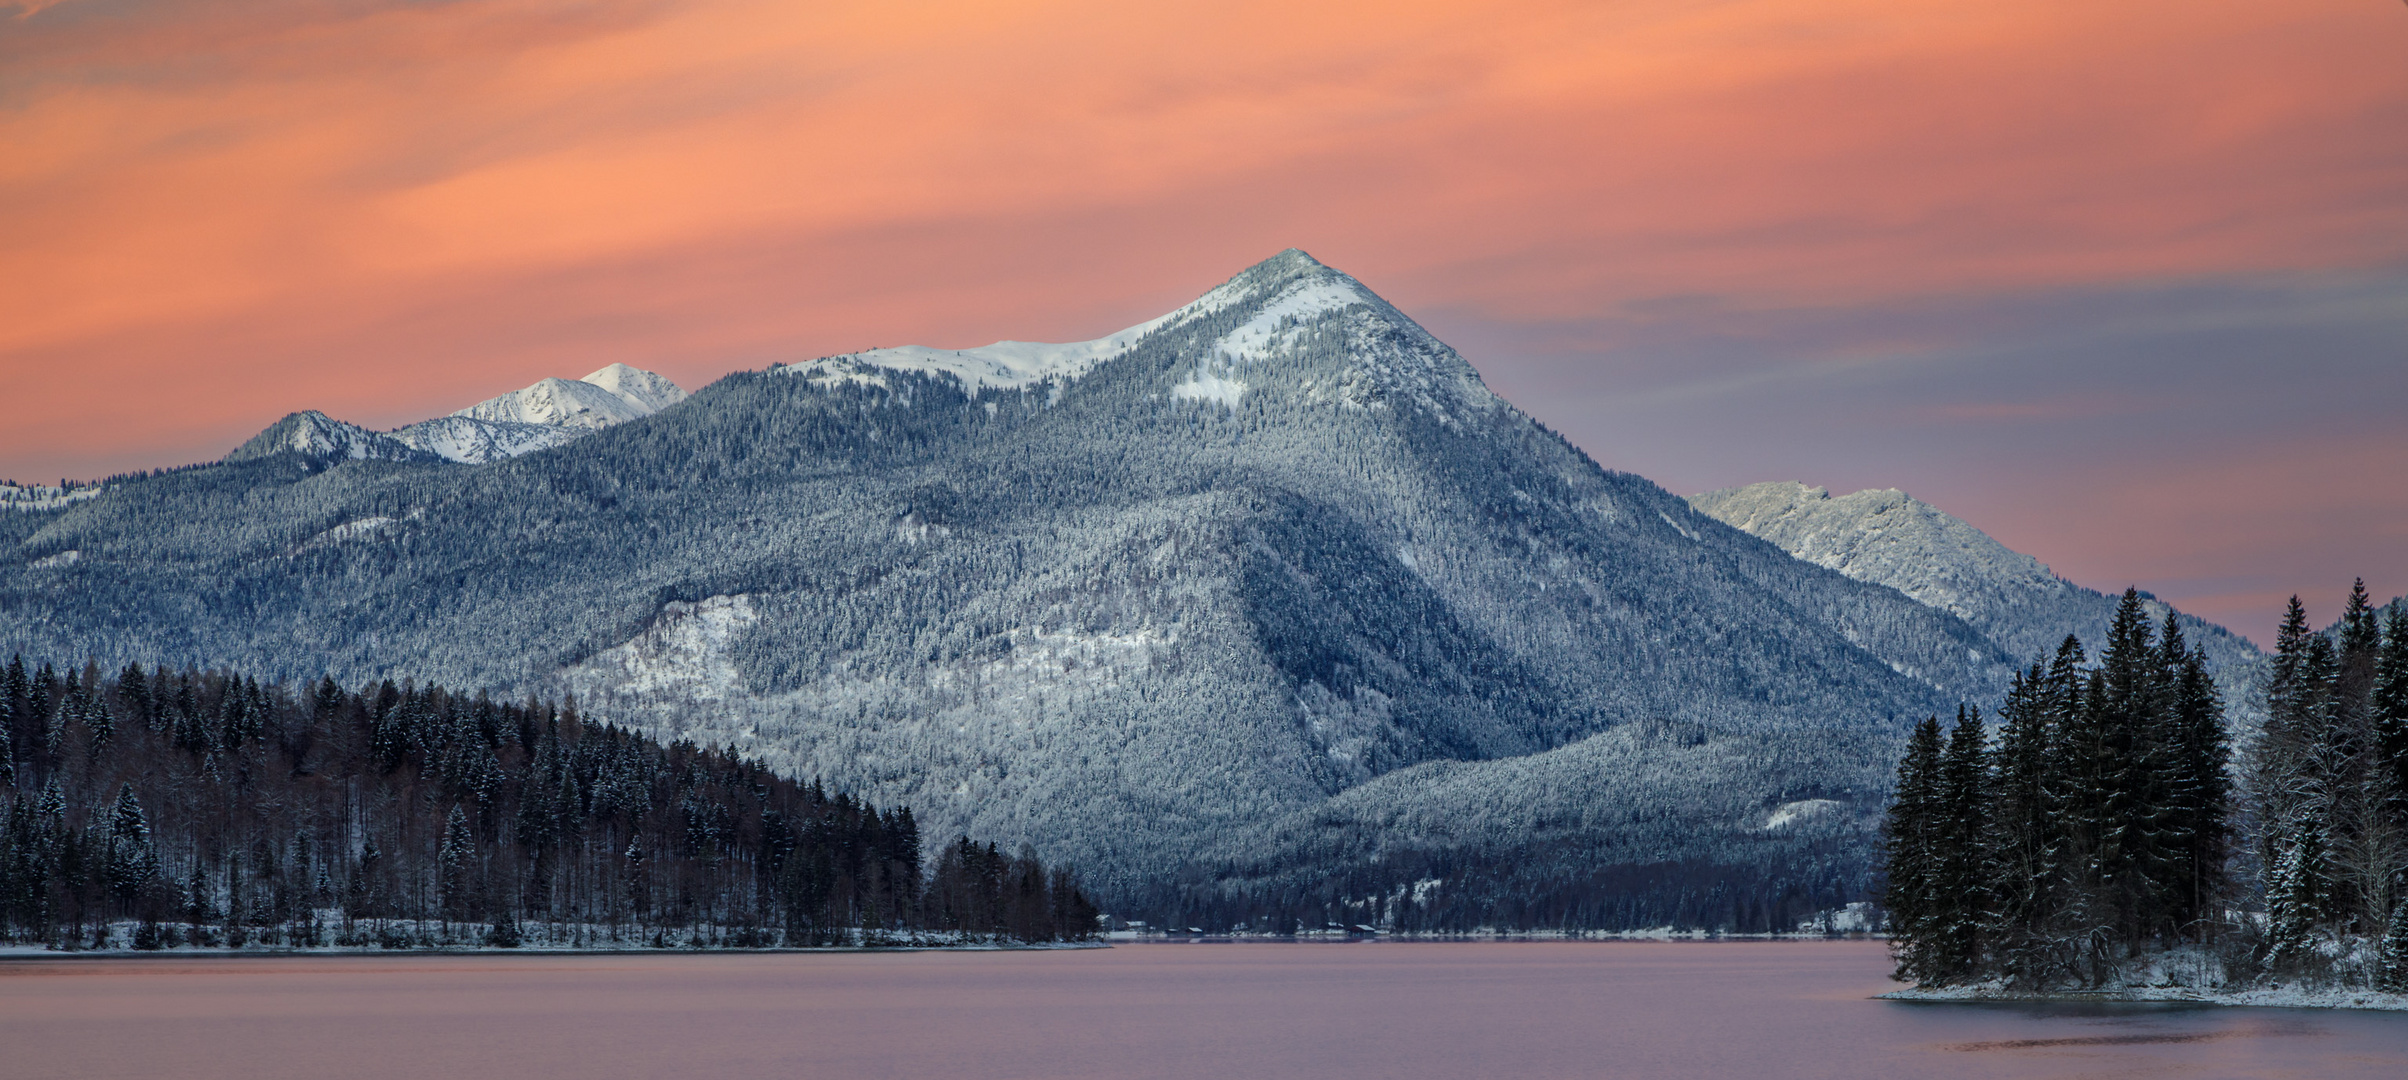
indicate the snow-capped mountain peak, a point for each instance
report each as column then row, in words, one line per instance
column 1269, row 312
column 558, row 402
column 549, row 413
column 637, row 385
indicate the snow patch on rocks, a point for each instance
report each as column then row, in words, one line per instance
column 684, row 655
column 470, row 441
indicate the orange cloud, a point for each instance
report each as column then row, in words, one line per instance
column 386, row 210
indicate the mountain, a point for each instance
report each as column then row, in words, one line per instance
column 1888, row 537
column 317, row 437
column 1233, row 609
column 613, row 395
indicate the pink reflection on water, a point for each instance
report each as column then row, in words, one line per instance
column 1789, row 1009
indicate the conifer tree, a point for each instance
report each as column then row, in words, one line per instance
column 1959, row 892
column 2390, row 709
column 2200, row 791
column 2025, row 841
column 454, row 864
column 2391, row 972
column 131, row 860
column 1908, row 840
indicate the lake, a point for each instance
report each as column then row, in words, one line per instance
column 1384, row 1009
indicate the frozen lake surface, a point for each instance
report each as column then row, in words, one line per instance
column 1385, row 1010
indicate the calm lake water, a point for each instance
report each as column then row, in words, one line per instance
column 1385, row 1010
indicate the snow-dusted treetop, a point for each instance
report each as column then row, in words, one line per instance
column 1290, row 285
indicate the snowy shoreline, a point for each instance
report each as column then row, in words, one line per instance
column 2276, row 997
column 28, row 953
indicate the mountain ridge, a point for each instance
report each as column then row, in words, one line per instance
column 1138, row 604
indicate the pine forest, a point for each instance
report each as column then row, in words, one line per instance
column 151, row 809
column 2106, row 830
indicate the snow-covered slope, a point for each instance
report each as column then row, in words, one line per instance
column 314, row 435
column 559, row 403
column 645, row 389
column 1016, row 364
column 1890, row 538
column 44, row 496
column 470, row 441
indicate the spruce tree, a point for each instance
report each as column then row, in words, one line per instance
column 2025, row 828
column 2201, row 787
column 2390, row 708
column 1910, row 852
column 2135, row 857
column 2391, row 972
column 1959, row 894
column 131, row 860
column 455, row 865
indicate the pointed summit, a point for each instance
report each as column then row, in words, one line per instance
column 1270, row 309
column 319, row 437
column 635, row 384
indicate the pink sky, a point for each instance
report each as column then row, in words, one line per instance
column 2119, row 283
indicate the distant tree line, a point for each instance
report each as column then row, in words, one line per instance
column 2102, row 823
column 210, row 808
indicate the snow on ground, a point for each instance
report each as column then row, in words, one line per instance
column 1005, row 365
column 471, row 441
column 1270, row 333
column 349, row 530
column 651, row 391
column 1799, row 811
column 2289, row 997
column 558, row 402
column 686, row 655
column 44, row 496
column 335, row 938
column 613, row 395
column 1204, row 386
column 2185, row 974
column 1014, row 364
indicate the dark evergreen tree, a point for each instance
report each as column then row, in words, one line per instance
column 132, row 863
column 455, row 861
column 2026, row 838
column 1959, row 894
column 2390, row 708
column 2392, row 962
column 2200, row 789
column 1911, row 864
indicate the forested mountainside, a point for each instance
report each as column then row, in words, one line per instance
column 1150, row 603
column 213, row 809
column 1888, row 537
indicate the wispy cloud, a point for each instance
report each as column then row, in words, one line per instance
column 213, row 213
